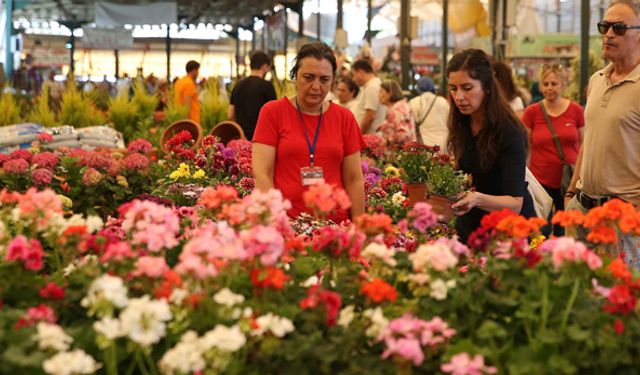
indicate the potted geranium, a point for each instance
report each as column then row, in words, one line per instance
column 444, row 185
column 414, row 160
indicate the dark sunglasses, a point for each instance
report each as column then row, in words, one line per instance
column 619, row 28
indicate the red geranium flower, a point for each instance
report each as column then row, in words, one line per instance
column 270, row 277
column 620, row 300
column 379, row 290
column 52, row 291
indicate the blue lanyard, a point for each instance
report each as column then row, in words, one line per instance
column 312, row 147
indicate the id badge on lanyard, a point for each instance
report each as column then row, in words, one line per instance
column 312, row 174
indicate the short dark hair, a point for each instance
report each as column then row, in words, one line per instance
column 259, row 59
column 192, row 65
column 318, row 50
column 394, row 90
column 363, row 65
column 351, row 85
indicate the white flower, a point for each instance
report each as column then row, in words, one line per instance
column 378, row 321
column 398, row 199
column 94, row 224
column 109, row 327
column 419, row 278
column 346, row 316
column 178, row 295
column 437, row 256
column 277, row 325
column 144, row 320
column 439, row 288
column 52, row 336
column 68, row 363
column 379, row 251
column 184, row 358
column 245, row 313
column 313, row 280
column 228, row 298
column 224, row 338
column 68, row 270
column 106, row 288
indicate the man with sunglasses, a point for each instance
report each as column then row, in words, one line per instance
column 609, row 161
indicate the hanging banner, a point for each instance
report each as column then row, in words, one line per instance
column 118, row 15
column 107, row 38
column 275, row 32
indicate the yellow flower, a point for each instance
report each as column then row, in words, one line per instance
column 66, row 202
column 182, row 171
column 198, row 174
column 122, row 181
column 536, row 242
column 392, row 171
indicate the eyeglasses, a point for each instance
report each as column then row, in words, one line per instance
column 619, row 28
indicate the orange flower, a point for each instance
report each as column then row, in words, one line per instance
column 373, row 224
column 492, row 219
column 270, row 277
column 602, row 234
column 520, row 227
column 75, row 230
column 171, row 280
column 568, row 218
column 630, row 223
column 620, row 271
column 379, row 290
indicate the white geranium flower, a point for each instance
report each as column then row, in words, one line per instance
column 438, row 289
column 70, row 363
column 109, row 327
column 419, row 278
column 224, row 338
column 52, row 336
column 277, row 325
column 94, row 224
column 378, row 321
column 178, row 295
column 106, row 288
column 346, row 316
column 435, row 256
column 379, row 251
column 228, row 298
column 398, row 199
column 184, row 358
column 143, row 321
column 313, row 280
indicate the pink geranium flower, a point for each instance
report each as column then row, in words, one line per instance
column 16, row 166
column 41, row 177
column 136, row 162
column 464, row 364
column 140, row 145
column 46, row 159
column 263, row 242
column 422, row 216
column 153, row 225
column 152, row 267
column 325, row 199
column 29, row 251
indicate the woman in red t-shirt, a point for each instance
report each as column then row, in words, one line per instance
column 567, row 119
column 286, row 155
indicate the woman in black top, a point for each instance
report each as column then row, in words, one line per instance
column 488, row 141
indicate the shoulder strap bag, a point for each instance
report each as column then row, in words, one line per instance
column 418, row 133
column 567, row 169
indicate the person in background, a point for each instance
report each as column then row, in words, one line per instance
column 346, row 92
column 567, row 120
column 186, row 92
column 609, row 161
column 536, row 95
column 305, row 139
column 504, row 75
column 162, row 92
column 431, row 112
column 251, row 93
column 398, row 128
column 369, row 113
column 488, row 142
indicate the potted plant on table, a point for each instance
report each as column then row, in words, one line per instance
column 444, row 184
column 414, row 160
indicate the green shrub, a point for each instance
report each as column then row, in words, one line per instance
column 77, row 109
column 214, row 106
column 9, row 110
column 41, row 113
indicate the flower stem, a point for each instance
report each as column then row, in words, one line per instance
column 111, row 358
column 544, row 312
column 152, row 366
column 572, row 300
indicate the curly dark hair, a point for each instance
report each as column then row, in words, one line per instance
column 318, row 50
column 497, row 112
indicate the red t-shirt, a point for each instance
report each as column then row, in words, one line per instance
column 545, row 162
column 279, row 126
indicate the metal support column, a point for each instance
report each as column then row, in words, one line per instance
column 585, row 16
column 300, row 19
column 318, row 20
column 405, row 42
column 72, row 42
column 369, row 18
column 339, row 20
column 168, row 51
column 445, row 47
column 116, row 55
column 8, row 63
column 263, row 41
column 237, row 36
column 493, row 8
column 558, row 16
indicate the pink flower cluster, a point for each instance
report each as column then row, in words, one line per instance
column 567, row 249
column 91, row 177
column 336, row 241
column 118, row 251
column 21, row 154
column 140, row 145
column 325, row 199
column 406, row 336
column 41, row 177
column 152, row 267
column 264, row 242
column 136, row 161
column 92, row 159
column 464, row 364
column 29, row 251
column 213, row 199
column 422, row 217
column 46, row 159
column 39, row 206
column 257, row 208
column 40, row 313
column 243, row 151
column 15, row 166
column 153, row 225
column 45, row 137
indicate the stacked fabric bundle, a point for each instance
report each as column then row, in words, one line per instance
column 100, row 136
column 20, row 136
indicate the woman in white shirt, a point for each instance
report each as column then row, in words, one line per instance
column 431, row 113
column 346, row 92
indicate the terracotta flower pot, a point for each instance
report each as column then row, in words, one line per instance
column 227, row 131
column 417, row 193
column 177, row 127
column 441, row 205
